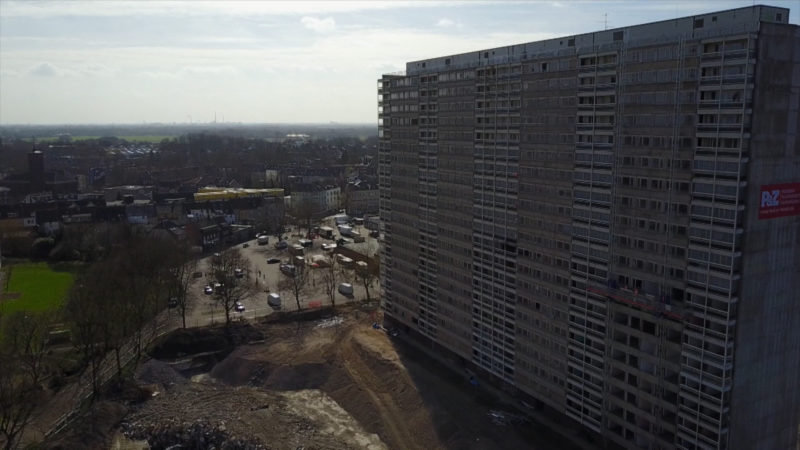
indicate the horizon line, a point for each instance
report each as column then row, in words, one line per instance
column 191, row 124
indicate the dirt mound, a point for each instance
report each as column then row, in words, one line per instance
column 326, row 381
column 199, row 434
column 392, row 406
column 191, row 341
column 293, row 378
column 158, row 372
column 196, row 415
column 237, row 370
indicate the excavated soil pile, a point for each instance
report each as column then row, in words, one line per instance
column 354, row 364
column 158, row 372
column 321, row 382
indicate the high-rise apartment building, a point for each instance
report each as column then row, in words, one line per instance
column 609, row 223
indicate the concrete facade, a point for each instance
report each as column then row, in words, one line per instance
column 584, row 221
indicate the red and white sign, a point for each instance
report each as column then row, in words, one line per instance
column 779, row 200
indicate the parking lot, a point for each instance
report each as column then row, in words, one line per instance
column 202, row 309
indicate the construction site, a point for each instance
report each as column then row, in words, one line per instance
column 325, row 378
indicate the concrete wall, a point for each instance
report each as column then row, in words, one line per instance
column 765, row 403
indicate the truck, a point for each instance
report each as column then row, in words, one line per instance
column 296, row 250
column 274, row 300
column 263, row 239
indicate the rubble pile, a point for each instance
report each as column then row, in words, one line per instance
column 196, row 435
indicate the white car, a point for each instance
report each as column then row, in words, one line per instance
column 239, row 307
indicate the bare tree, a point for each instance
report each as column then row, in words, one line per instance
column 87, row 325
column 21, row 354
column 19, row 396
column 297, row 283
column 228, row 271
column 366, row 276
column 24, row 337
column 182, row 266
column 304, row 214
column 330, row 277
column 144, row 280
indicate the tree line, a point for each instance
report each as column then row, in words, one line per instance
column 111, row 305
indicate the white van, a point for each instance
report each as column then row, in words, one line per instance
column 274, row 300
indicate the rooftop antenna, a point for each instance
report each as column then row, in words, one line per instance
column 605, row 21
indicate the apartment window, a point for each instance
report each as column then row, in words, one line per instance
column 698, row 23
column 708, row 95
column 709, row 72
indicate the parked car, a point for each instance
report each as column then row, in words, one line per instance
column 173, row 302
column 239, row 307
column 238, row 273
column 280, row 245
column 245, row 245
column 208, row 290
column 346, row 289
column 289, row 269
column 273, row 261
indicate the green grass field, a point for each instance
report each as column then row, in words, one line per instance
column 40, row 287
column 149, row 138
column 154, row 139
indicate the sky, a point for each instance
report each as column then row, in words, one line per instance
column 74, row 62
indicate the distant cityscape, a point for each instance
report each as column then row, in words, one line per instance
column 153, row 176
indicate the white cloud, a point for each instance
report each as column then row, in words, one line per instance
column 44, row 69
column 445, row 23
column 167, row 8
column 325, row 25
